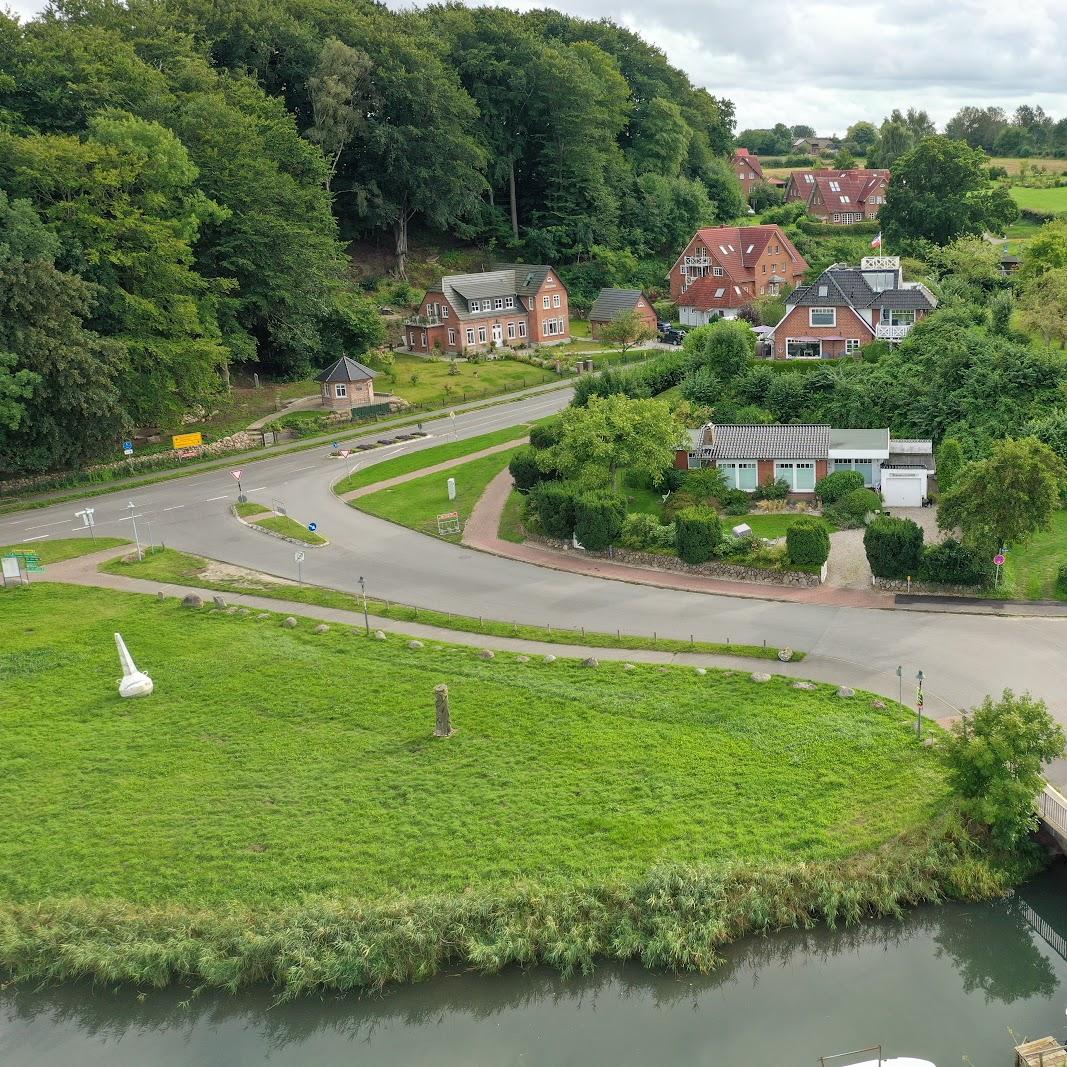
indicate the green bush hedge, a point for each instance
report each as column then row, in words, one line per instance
column 598, row 519
column 697, row 535
column 807, row 540
column 546, row 434
column 524, row 469
column 772, row 489
column 837, row 485
column 952, row 563
column 854, row 507
column 894, row 547
column 554, row 505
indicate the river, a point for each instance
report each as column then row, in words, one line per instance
column 959, row 984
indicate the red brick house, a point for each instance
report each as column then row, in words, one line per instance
column 847, row 307
column 747, row 168
column 513, row 304
column 723, row 268
column 611, row 303
column 346, row 384
column 839, row 196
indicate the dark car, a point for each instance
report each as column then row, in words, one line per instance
column 672, row 336
column 662, row 326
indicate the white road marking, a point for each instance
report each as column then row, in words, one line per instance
column 174, row 507
column 299, row 469
column 258, row 489
column 225, row 496
column 45, row 525
column 39, row 537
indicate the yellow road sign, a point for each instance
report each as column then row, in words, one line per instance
column 186, row 440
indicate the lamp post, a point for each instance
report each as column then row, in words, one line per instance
column 131, row 507
column 900, row 685
column 919, row 705
column 363, row 591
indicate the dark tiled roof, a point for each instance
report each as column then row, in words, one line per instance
column 906, row 299
column 612, row 302
column 848, row 286
column 346, row 370
column 528, row 276
column 755, row 441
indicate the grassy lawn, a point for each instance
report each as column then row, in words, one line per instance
column 250, row 508
column 182, row 568
column 64, row 547
column 246, row 404
column 1030, row 570
column 510, row 528
column 418, row 503
column 764, row 525
column 1053, row 201
column 579, row 328
column 429, row 457
column 435, row 387
column 297, row 765
column 288, row 527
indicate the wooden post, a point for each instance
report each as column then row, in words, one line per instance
column 444, row 720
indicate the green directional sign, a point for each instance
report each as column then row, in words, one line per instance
column 30, row 560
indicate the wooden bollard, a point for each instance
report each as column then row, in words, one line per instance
column 444, row 720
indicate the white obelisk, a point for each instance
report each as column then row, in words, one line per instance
column 134, row 683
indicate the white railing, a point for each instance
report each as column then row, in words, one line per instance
column 885, row 332
column 1052, row 807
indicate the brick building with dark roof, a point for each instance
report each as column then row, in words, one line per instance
column 512, row 304
column 611, row 303
column 839, row 196
column 723, row 268
column 346, row 384
column 748, row 169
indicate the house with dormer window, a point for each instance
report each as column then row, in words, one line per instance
column 723, row 268
column 841, row 197
column 513, row 304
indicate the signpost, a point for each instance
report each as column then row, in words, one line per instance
column 999, row 559
column 236, row 475
column 299, row 557
column 127, row 448
column 452, row 416
column 186, row 440
column 448, row 523
column 12, row 569
column 451, row 488
column 132, row 507
column 345, row 453
column 313, row 526
column 363, row 591
column 919, row 705
column 86, row 517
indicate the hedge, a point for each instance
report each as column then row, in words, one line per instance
column 697, row 535
column 807, row 541
column 554, row 505
column 837, row 485
column 952, row 563
column 524, row 469
column 546, row 434
column 894, row 547
column 598, row 519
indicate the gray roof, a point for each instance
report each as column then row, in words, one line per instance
column 517, row 280
column 862, row 440
column 774, row 441
column 848, row 286
column 346, row 370
column 613, row 302
column 916, row 298
column 528, row 276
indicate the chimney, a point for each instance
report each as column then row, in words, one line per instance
column 709, row 435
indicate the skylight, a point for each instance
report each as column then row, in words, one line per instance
column 719, row 292
column 835, row 187
column 749, row 249
column 722, row 249
column 823, row 290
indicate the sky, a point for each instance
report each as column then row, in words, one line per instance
column 828, row 63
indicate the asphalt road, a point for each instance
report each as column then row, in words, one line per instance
column 964, row 656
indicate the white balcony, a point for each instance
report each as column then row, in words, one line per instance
column 885, row 332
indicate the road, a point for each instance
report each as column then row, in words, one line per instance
column 964, row 656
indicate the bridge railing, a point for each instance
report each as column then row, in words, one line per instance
column 1052, row 807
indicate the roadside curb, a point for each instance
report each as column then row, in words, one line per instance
column 274, row 533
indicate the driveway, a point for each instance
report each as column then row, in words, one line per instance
column 847, row 567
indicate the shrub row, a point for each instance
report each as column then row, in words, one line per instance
column 649, row 379
column 895, row 550
column 595, row 517
column 807, row 541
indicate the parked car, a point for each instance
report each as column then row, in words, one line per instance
column 672, row 336
column 662, row 326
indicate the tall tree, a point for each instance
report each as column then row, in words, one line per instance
column 340, row 89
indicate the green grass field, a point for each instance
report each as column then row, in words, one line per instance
column 1030, row 570
column 433, row 385
column 1053, row 201
column 250, row 508
column 288, row 527
column 417, row 503
column 55, row 551
column 429, row 457
column 272, row 765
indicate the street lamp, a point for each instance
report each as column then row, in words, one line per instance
column 363, row 591
column 131, row 507
column 919, row 705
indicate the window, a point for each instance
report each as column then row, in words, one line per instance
column 845, row 200
column 451, row 338
column 423, row 338
column 470, row 337
column 822, row 317
column 481, row 335
column 509, row 302
column 444, row 311
column 799, row 476
column 777, row 249
column 897, row 317
column 557, row 300
column 553, row 327
column 498, row 303
column 741, row 175
column 719, row 292
column 511, row 329
column 476, row 305
column 795, row 349
column 837, row 216
column 762, row 290
column 835, row 187
column 774, row 268
column 764, row 268
column 340, row 390
column 810, row 179
column 866, row 467
column 749, row 249
column 693, row 459
column 852, row 344
column 717, row 271
column 545, row 302
column 741, row 475
column 522, row 327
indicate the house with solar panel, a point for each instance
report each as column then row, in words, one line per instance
column 723, row 268
column 611, row 303
column 847, row 307
column 513, row 304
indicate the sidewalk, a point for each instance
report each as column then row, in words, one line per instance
column 82, row 570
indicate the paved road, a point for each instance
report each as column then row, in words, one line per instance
column 964, row 656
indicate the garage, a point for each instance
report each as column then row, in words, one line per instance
column 903, row 486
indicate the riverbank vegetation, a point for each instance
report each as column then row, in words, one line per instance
column 253, row 819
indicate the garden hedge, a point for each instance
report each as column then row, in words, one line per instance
column 837, row 485
column 554, row 505
column 697, row 535
column 894, row 547
column 598, row 519
column 524, row 469
column 807, row 540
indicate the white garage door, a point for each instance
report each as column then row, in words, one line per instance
column 902, row 490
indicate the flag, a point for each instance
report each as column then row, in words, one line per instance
column 877, row 242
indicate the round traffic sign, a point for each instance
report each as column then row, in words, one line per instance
column 313, row 526
column 998, row 559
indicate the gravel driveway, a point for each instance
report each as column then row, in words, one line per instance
column 847, row 567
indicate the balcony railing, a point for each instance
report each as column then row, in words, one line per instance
column 885, row 332
column 424, row 320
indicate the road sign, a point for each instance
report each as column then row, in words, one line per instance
column 313, row 526
column 345, row 453
column 919, row 698
column 236, row 475
column 187, row 440
column 299, row 557
column 86, row 516
column 999, row 558
column 448, row 523
column 127, row 448
column 337, row 444
column 11, row 568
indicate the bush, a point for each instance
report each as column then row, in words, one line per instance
column 524, row 469
column 733, row 546
column 773, row 489
column 598, row 519
column 893, row 546
column 638, row 530
column 546, row 434
column 736, row 502
column 706, row 483
column 834, row 486
column 697, row 535
column 854, row 507
column 952, row 563
column 554, row 505
column 665, row 536
column 807, row 540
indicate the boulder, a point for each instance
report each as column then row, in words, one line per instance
column 549, row 659
column 219, row 603
column 487, row 653
column 760, row 676
column 785, row 654
column 379, row 635
column 522, row 659
column 191, row 600
column 628, row 667
column 161, row 595
column 844, row 691
column 879, row 704
column 243, row 611
column 590, row 661
column 289, row 623
column 701, row 670
column 803, row 685
column 263, row 615
column 322, row 628
column 414, row 645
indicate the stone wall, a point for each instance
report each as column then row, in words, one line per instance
column 712, row 569
column 900, row 585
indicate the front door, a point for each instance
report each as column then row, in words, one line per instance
column 498, row 333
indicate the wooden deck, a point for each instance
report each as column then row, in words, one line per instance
column 1045, row 1052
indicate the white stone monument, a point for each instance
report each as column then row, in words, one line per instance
column 134, row 683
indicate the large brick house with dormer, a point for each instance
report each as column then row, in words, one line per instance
column 513, row 304
column 747, row 168
column 723, row 268
column 839, row 196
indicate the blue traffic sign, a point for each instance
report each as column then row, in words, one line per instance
column 127, row 447
column 337, row 444
column 313, row 526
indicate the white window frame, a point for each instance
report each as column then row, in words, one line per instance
column 483, row 335
column 786, row 471
column 340, row 390
column 717, row 271
column 452, row 338
column 545, row 302
column 509, row 302
column 731, row 469
column 423, row 338
column 793, row 341
column 557, row 300
column 522, row 327
column 444, row 311
column 470, row 337
column 511, row 331
column 851, row 465
column 498, row 303
column 852, row 344
column 822, row 310
column 476, row 305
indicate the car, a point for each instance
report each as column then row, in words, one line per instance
column 662, row 326
column 672, row 336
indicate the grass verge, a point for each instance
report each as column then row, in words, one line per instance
column 64, row 547
column 1031, row 569
column 182, row 568
column 252, row 820
column 287, row 527
column 510, row 527
column 250, row 508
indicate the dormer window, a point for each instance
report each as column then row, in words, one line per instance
column 717, row 271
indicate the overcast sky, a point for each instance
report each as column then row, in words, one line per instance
column 827, row 63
